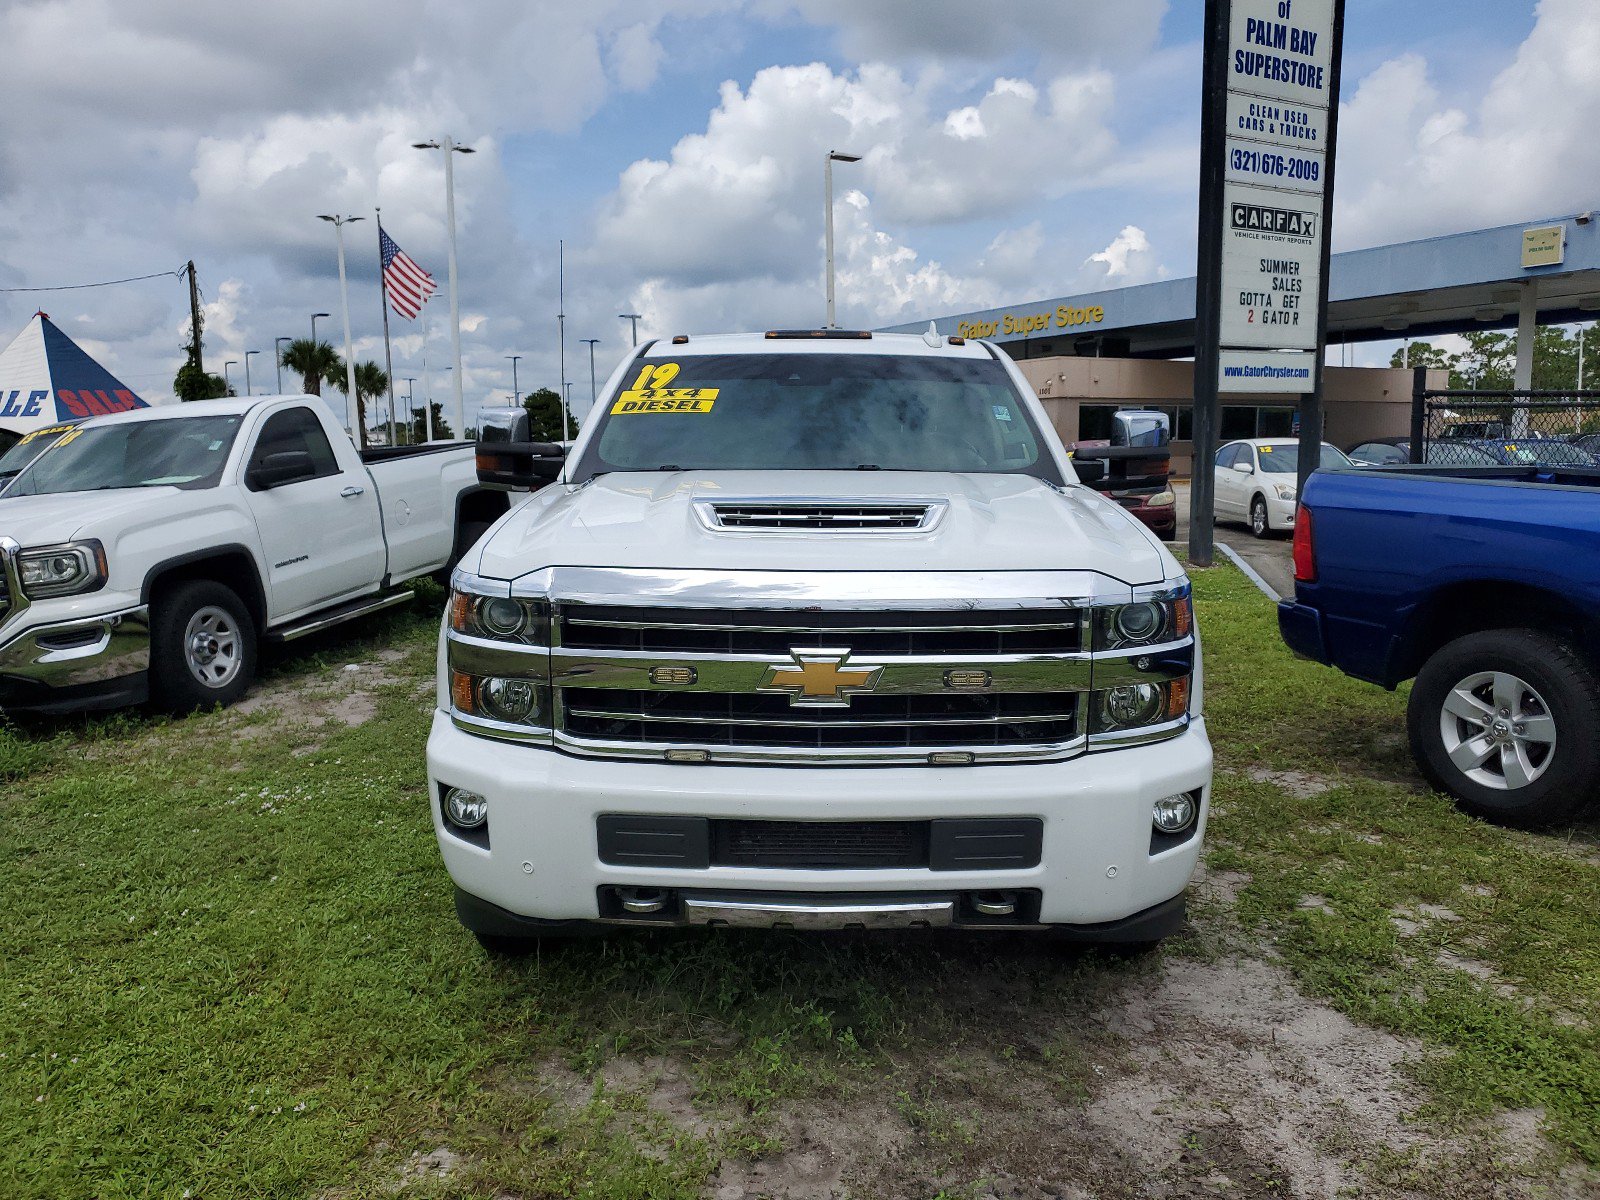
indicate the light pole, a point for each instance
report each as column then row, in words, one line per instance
column 450, row 150
column 594, row 396
column 567, row 400
column 833, row 156
column 247, row 355
column 350, row 409
column 314, row 317
column 277, row 356
column 227, row 379
column 411, row 409
column 516, row 396
column 633, row 318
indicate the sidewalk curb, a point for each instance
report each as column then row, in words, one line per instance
column 1249, row 571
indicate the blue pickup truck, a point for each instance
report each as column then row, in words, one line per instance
column 1482, row 584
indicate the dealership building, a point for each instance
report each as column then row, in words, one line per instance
column 1091, row 354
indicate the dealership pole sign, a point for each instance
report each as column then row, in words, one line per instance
column 1269, row 126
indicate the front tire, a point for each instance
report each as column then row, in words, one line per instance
column 202, row 646
column 1508, row 722
column 1260, row 524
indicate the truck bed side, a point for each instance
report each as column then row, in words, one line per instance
column 1407, row 559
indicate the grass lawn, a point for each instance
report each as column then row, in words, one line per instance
column 229, row 968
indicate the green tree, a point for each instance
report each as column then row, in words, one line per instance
column 544, row 416
column 315, row 362
column 190, row 383
column 418, row 430
column 372, row 381
column 1423, row 354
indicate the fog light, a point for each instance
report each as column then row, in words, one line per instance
column 1173, row 814
column 466, row 809
column 507, row 699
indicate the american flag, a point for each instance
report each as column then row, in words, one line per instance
column 407, row 285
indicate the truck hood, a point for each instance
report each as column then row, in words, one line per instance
column 989, row 523
column 46, row 520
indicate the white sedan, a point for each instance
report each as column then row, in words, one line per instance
column 1255, row 482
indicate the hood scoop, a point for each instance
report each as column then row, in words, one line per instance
column 828, row 516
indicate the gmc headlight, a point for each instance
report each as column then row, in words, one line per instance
column 1144, row 622
column 63, row 570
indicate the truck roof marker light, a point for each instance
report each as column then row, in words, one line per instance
column 1305, row 553
column 680, row 339
column 957, row 341
column 832, row 335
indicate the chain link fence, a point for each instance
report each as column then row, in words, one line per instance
column 1482, row 429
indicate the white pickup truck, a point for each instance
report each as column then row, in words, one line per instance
column 817, row 629
column 146, row 555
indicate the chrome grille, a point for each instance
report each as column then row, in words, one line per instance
column 751, row 515
column 774, row 631
column 869, row 721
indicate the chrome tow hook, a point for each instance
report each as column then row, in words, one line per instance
column 643, row 901
column 994, row 904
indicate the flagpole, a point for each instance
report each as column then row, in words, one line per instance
column 561, row 323
column 388, row 356
column 427, row 380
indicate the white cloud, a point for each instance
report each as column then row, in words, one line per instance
column 1412, row 163
column 1120, row 258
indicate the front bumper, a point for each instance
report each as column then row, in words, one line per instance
column 541, row 863
column 1281, row 513
column 76, row 663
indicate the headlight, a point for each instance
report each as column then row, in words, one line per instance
column 63, row 570
column 498, row 617
column 1285, row 490
column 1164, row 499
column 1142, row 623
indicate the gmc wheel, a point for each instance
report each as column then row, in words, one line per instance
column 1508, row 722
column 202, row 646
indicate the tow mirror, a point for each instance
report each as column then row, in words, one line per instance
column 276, row 470
column 519, row 466
column 1089, row 470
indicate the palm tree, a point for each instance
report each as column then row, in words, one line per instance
column 315, row 362
column 371, row 381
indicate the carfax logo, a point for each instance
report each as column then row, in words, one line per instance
column 1263, row 218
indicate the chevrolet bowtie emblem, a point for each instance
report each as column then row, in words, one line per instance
column 820, row 677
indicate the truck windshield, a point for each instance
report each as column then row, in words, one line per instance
column 186, row 452
column 817, row 412
column 1285, row 460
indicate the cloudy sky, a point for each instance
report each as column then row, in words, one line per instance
column 1011, row 152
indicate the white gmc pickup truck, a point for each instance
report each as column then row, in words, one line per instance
column 817, row 629
column 147, row 554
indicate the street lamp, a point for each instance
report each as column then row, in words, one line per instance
column 277, row 355
column 314, row 317
column 350, row 408
column 227, row 380
column 247, row 355
column 634, row 319
column 593, row 395
column 833, row 156
column 516, row 396
column 450, row 150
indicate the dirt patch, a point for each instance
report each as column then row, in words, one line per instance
column 1302, row 785
column 1184, row 1079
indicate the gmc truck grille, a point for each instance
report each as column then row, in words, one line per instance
column 777, row 631
column 742, row 719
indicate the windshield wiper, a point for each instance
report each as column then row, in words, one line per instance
column 866, row 467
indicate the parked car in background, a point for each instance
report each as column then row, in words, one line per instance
column 27, row 448
column 1487, row 593
column 149, row 553
column 817, row 629
column 1255, row 482
column 1141, row 483
column 1589, row 443
column 1535, row 451
column 1389, row 452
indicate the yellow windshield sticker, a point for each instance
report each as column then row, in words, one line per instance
column 45, row 432
column 665, row 400
column 657, row 376
column 1265, row 449
column 70, row 435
